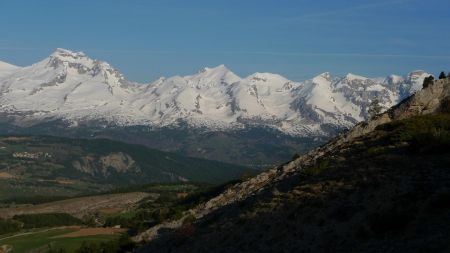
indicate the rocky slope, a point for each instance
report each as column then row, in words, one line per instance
column 371, row 189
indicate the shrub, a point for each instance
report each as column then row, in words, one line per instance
column 317, row 168
column 9, row 226
column 428, row 81
column 47, row 220
column 442, row 75
column 123, row 244
column 189, row 219
column 425, row 134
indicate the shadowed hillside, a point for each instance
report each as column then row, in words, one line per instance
column 382, row 187
column 52, row 166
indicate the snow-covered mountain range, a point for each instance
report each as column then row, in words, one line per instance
column 72, row 87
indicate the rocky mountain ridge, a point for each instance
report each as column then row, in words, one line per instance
column 72, row 87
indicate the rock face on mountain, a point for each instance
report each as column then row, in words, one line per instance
column 372, row 189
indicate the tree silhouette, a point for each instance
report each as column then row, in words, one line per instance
column 374, row 107
column 442, row 75
column 427, row 81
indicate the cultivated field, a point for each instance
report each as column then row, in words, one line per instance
column 79, row 207
column 68, row 238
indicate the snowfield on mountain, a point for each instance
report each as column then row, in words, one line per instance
column 72, row 87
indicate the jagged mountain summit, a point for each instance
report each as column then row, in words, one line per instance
column 72, row 87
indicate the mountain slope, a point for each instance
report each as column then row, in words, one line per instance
column 7, row 69
column 45, row 164
column 382, row 187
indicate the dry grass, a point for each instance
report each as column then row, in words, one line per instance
column 6, row 175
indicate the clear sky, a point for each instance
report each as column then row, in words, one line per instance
column 146, row 39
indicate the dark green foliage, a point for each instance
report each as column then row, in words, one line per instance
column 425, row 134
column 251, row 146
column 9, row 226
column 52, row 250
column 123, row 244
column 442, row 75
column 168, row 206
column 428, row 81
column 77, row 167
column 319, row 167
column 33, row 200
column 47, row 220
column 153, row 163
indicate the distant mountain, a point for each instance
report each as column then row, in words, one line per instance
column 74, row 91
column 380, row 187
column 43, row 165
column 7, row 69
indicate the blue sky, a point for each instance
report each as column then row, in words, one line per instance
column 298, row 39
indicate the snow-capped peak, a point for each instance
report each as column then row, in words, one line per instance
column 326, row 76
column 219, row 75
column 266, row 78
column 65, row 53
column 7, row 69
column 7, row 66
column 71, row 86
column 352, row 77
column 218, row 69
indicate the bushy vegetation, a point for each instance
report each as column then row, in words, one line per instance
column 428, row 81
column 47, row 220
column 33, row 200
column 9, row 226
column 123, row 244
column 173, row 201
column 424, row 134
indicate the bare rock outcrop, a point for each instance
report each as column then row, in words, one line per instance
column 117, row 162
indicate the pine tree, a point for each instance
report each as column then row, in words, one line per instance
column 448, row 75
column 374, row 107
column 427, row 81
column 442, row 75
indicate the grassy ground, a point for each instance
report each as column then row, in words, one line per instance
column 45, row 239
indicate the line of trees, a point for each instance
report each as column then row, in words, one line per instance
column 443, row 76
column 429, row 80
